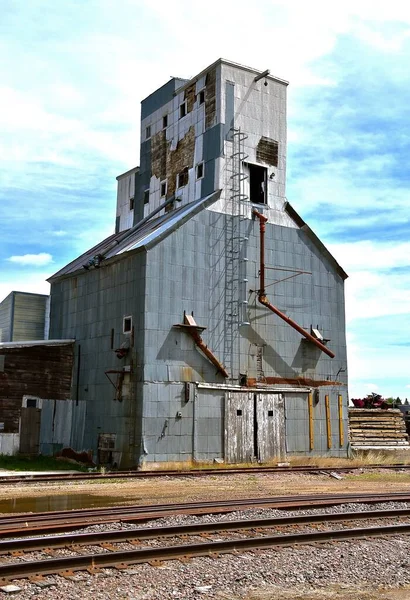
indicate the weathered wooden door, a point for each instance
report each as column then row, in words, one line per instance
column 270, row 419
column 30, row 430
column 239, row 427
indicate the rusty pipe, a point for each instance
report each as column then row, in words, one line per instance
column 262, row 296
column 208, row 353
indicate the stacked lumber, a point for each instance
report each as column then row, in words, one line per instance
column 377, row 427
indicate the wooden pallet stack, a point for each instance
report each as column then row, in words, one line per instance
column 377, row 427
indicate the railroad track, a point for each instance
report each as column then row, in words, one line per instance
column 47, row 522
column 39, row 478
column 112, row 557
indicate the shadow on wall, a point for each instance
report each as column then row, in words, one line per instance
column 178, row 347
column 279, row 366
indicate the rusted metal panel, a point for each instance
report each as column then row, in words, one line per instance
column 43, row 371
column 267, row 151
column 30, row 430
column 300, row 381
column 270, row 418
column 239, row 427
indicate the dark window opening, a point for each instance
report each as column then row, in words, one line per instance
column 132, row 203
column 239, row 412
column 148, row 132
column 31, row 402
column 163, row 188
column 182, row 110
column 257, row 184
column 270, row 413
column 201, row 97
column 112, row 340
column 127, row 325
column 146, row 197
column 200, row 170
column 183, row 178
column 164, row 121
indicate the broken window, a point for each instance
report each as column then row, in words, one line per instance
column 146, row 197
column 182, row 178
column 257, row 184
column 201, row 97
column 127, row 325
column 132, row 203
column 182, row 110
column 164, row 121
column 148, row 132
column 200, row 170
column 163, row 188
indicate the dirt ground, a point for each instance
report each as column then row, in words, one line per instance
column 214, row 487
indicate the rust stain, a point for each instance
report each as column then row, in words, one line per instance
column 210, row 99
column 267, row 151
column 302, row 381
column 179, row 159
column 189, row 96
column 159, row 155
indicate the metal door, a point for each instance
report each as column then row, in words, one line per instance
column 239, row 427
column 30, row 430
column 270, row 419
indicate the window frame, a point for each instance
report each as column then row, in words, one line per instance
column 148, row 132
column 184, row 172
column 164, row 121
column 183, row 108
column 201, row 94
column 202, row 166
column 124, row 319
column 164, row 182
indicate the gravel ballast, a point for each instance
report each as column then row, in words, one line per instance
column 342, row 569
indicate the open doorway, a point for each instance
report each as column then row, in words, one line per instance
column 257, row 184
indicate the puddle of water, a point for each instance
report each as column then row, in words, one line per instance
column 61, row 502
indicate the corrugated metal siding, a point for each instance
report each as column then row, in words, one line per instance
column 42, row 371
column 62, row 425
column 28, row 317
column 5, row 318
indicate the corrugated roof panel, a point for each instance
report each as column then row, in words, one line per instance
column 149, row 233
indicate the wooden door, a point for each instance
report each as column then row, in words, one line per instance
column 270, row 419
column 30, row 430
column 239, row 427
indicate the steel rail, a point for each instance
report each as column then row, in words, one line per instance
column 121, row 535
column 123, row 558
column 38, row 478
column 44, row 523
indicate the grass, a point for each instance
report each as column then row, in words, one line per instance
column 38, row 463
column 360, row 459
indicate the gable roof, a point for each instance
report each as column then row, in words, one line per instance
column 314, row 238
column 145, row 235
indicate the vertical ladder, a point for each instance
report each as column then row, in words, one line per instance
column 236, row 288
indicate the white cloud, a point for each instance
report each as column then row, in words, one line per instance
column 33, row 260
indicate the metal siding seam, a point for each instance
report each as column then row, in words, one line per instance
column 341, row 428
column 328, row 422
column 311, row 424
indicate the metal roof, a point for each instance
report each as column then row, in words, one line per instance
column 150, row 233
column 35, row 343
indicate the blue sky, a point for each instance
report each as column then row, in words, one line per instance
column 72, row 78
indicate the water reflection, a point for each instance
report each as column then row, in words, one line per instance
column 60, row 502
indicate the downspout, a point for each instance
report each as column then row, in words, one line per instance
column 262, row 295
